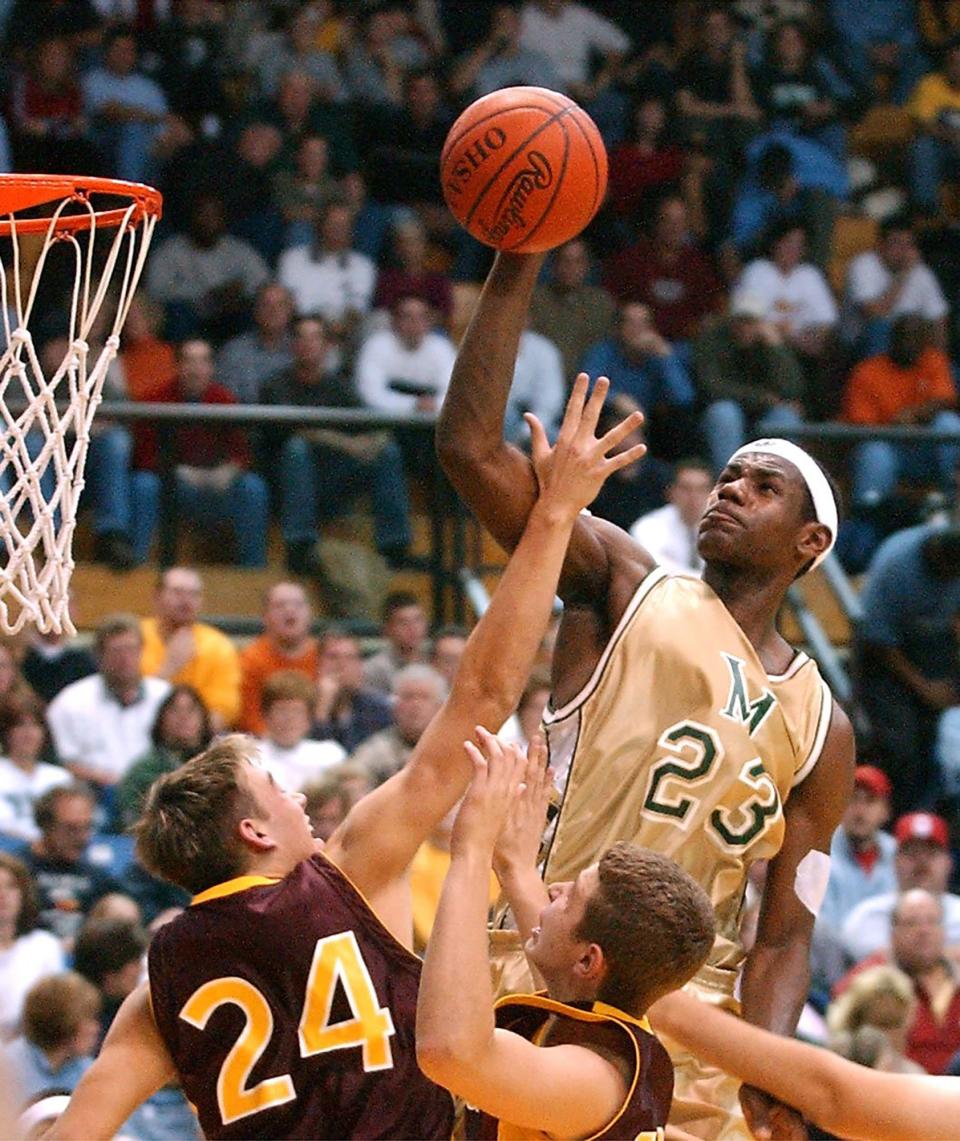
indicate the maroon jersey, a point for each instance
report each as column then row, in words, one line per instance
column 289, row 1011
column 643, row 1114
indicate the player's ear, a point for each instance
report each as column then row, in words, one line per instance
column 591, row 966
column 813, row 540
column 252, row 834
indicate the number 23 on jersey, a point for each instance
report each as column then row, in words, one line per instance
column 335, row 957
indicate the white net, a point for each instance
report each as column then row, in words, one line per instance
column 45, row 420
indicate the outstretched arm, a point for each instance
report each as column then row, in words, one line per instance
column 494, row 478
column 565, row 1090
column 849, row 1100
column 777, row 974
column 380, row 836
column 132, row 1065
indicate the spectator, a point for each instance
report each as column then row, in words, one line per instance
column 935, row 149
column 713, row 89
column 572, row 37
column 879, row 998
column 669, row 273
column 446, row 650
column 911, row 383
column 347, row 711
column 645, row 369
column 922, row 862
column 246, row 362
column 409, row 276
column 24, row 777
column 669, row 533
column 147, row 360
column 127, row 110
column 378, row 59
column 328, row 278
column 101, row 723
column 648, row 160
column 184, row 651
column 787, row 177
column 12, row 683
column 798, row 90
column 501, row 60
column 180, row 730
column 300, row 52
column 60, row 1029
column 286, row 750
column 407, row 367
column 418, row 692
column 405, row 630
column 186, row 48
column 212, row 462
column 51, row 662
column 861, row 853
column 327, row 804
column 301, row 192
column 322, row 471
column 67, row 883
column 906, row 655
column 889, row 282
column 633, row 490
column 205, row 279
column 26, row 953
column 297, row 112
column 109, row 953
column 567, row 310
column 749, row 379
column 538, row 387
column 879, row 46
column 285, row 644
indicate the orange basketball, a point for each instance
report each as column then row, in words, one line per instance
column 524, row 169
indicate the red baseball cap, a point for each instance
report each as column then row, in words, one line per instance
column 922, row 826
column 873, row 780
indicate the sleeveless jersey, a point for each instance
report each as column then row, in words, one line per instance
column 289, row 1011
column 642, row 1116
column 682, row 743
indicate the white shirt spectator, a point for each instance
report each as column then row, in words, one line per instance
column 331, row 285
column 90, row 727
column 868, row 278
column 537, row 387
column 182, row 271
column 101, row 88
column 30, row 958
column 671, row 542
column 800, row 299
column 293, row 768
column 20, row 790
column 570, row 38
column 383, row 357
column 867, row 928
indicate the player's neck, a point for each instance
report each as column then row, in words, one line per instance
column 753, row 599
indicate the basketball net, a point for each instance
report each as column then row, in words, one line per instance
column 55, row 412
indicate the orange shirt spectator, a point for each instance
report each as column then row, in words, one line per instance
column 880, row 391
column 148, row 362
column 258, row 661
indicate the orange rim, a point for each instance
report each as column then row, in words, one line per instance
column 24, row 191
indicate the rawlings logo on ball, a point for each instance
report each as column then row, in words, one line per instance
column 537, row 176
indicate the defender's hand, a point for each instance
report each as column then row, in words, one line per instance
column 518, row 845
column 571, row 473
column 498, row 772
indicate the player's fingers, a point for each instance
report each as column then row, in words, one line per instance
column 594, row 406
column 539, row 444
column 619, row 432
column 626, row 458
column 479, row 761
column 574, row 411
column 490, row 744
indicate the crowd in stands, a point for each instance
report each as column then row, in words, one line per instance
column 779, row 246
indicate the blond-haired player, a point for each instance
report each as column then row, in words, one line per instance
column 680, row 718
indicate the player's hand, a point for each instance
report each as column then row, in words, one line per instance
column 571, row 473
column 770, row 1119
column 518, row 845
column 498, row 772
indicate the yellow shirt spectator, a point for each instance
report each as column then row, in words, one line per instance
column 213, row 670
column 931, row 97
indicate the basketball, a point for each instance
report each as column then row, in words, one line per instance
column 524, row 169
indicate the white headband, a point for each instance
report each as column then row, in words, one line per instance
column 824, row 504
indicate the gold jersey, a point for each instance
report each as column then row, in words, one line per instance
column 682, row 743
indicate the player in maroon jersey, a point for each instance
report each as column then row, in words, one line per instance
column 580, row 1059
column 284, row 997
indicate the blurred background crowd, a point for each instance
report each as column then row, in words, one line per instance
column 779, row 248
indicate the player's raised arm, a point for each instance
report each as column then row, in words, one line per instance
column 847, row 1099
column 566, row 1090
column 493, row 477
column 132, row 1065
column 499, row 653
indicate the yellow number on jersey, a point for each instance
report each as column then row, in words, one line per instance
column 338, row 957
column 371, row 1027
column 233, row 1096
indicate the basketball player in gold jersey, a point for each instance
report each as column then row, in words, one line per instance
column 680, row 718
